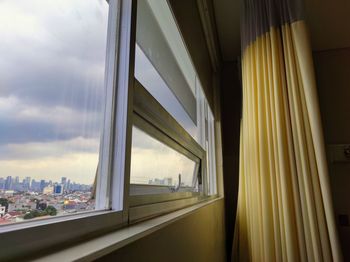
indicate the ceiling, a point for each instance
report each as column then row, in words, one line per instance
column 328, row 21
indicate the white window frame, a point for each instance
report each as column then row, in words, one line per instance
column 125, row 97
column 153, row 119
column 212, row 178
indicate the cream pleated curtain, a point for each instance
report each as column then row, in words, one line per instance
column 285, row 208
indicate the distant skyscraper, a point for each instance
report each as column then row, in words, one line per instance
column 168, row 181
column 33, row 185
column 58, row 189
column 68, row 185
column 26, row 183
column 63, row 180
column 8, row 183
column 36, row 186
column 42, row 185
column 2, row 183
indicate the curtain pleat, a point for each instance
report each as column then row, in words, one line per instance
column 284, row 210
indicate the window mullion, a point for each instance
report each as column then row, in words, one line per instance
column 123, row 86
column 106, row 148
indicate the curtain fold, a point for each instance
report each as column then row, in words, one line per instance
column 285, row 210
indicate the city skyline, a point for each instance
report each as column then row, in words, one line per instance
column 30, row 184
column 31, row 178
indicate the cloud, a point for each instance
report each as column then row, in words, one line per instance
column 51, row 87
column 79, row 167
column 51, row 68
column 22, row 123
column 53, row 53
column 76, row 159
column 36, row 150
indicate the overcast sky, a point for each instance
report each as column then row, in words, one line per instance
column 52, row 89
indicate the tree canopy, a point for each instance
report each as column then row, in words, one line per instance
column 49, row 211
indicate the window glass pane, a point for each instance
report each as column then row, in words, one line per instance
column 51, row 105
column 162, row 64
column 148, row 76
column 157, row 168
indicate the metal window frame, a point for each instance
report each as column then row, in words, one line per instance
column 30, row 238
column 152, row 118
column 151, row 110
column 105, row 164
column 153, row 131
column 154, row 44
column 212, row 190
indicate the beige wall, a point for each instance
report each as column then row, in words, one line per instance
column 199, row 237
column 333, row 79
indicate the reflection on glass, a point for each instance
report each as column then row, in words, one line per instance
column 148, row 76
column 155, row 164
column 51, row 95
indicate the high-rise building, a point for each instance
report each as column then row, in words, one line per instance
column 36, row 186
column 8, row 183
column 33, row 184
column 2, row 183
column 26, row 183
column 27, row 179
column 58, row 189
column 42, row 185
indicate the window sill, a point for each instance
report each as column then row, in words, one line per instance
column 103, row 245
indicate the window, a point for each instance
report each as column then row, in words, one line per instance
column 173, row 151
column 57, row 117
column 87, row 147
column 51, row 105
column 158, row 168
column 158, row 135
